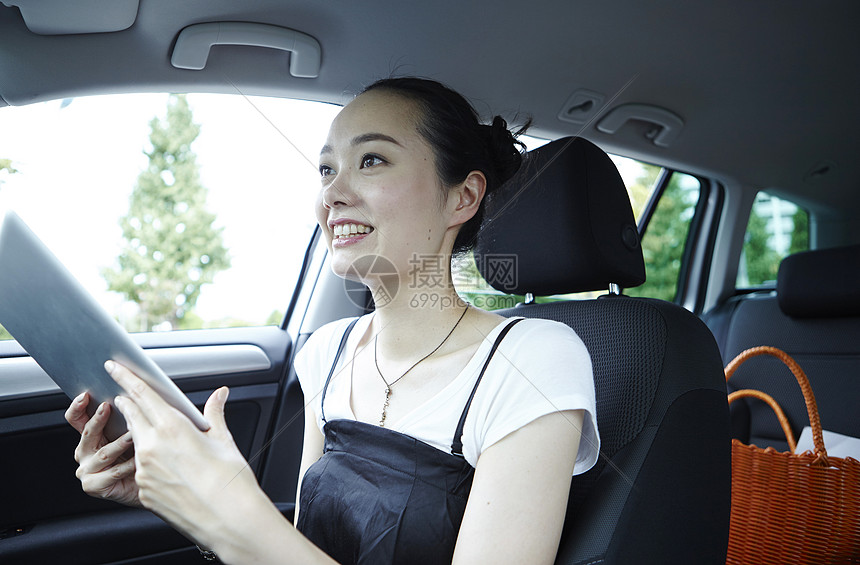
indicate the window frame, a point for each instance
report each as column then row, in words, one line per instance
column 689, row 288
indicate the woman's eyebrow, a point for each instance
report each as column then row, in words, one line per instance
column 364, row 138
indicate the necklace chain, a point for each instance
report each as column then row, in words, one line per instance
column 392, row 383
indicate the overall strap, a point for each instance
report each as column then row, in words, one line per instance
column 340, row 349
column 457, row 446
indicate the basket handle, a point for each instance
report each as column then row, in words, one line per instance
column 783, row 420
column 805, row 387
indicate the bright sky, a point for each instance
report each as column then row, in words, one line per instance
column 78, row 164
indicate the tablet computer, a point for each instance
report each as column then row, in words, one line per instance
column 67, row 332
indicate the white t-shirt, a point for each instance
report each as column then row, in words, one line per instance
column 540, row 367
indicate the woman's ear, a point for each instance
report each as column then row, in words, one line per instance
column 465, row 198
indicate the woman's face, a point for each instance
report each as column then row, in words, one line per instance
column 380, row 192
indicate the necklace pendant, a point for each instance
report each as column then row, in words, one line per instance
column 385, row 406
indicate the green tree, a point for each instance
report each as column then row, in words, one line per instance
column 171, row 245
column 760, row 258
column 664, row 239
column 800, row 231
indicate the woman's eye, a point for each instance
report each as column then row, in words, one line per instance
column 370, row 160
column 325, row 170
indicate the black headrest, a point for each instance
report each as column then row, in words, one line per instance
column 564, row 224
column 824, row 283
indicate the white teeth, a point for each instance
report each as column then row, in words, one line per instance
column 346, row 230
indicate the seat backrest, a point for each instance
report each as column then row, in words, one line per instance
column 660, row 492
column 814, row 316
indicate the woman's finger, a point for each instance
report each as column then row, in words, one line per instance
column 123, row 470
column 97, row 469
column 76, row 414
column 149, row 402
column 92, row 434
column 110, row 453
column 213, row 411
column 97, row 483
column 134, row 416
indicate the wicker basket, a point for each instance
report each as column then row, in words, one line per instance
column 790, row 508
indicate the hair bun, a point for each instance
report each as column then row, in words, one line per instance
column 504, row 149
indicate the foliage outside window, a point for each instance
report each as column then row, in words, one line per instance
column 665, row 237
column 777, row 228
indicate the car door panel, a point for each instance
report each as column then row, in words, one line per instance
column 44, row 515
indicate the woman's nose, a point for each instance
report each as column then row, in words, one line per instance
column 337, row 193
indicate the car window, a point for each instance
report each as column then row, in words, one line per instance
column 665, row 237
column 777, row 228
column 175, row 211
column 663, row 242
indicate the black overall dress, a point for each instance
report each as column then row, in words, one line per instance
column 377, row 496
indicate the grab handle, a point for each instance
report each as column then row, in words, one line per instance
column 668, row 125
column 195, row 41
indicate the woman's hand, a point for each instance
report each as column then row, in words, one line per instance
column 198, row 481
column 106, row 469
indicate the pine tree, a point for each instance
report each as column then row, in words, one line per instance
column 171, row 245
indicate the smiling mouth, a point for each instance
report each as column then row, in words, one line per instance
column 342, row 231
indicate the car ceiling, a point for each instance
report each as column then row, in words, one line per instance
column 768, row 91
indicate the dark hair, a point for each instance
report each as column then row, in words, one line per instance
column 460, row 142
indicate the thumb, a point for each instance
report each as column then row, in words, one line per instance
column 213, row 411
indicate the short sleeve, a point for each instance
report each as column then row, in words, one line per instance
column 540, row 367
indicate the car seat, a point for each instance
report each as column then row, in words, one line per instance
column 814, row 316
column 660, row 492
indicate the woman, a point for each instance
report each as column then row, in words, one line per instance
column 434, row 431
